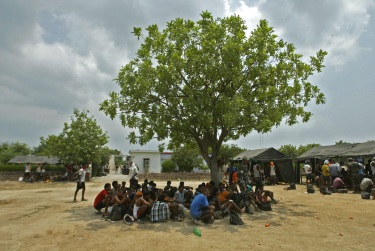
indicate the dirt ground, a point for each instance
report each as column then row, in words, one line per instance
column 41, row 216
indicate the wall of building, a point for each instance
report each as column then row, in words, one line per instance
column 154, row 163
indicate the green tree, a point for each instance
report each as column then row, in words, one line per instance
column 228, row 152
column 302, row 149
column 168, row 166
column 187, row 158
column 81, row 141
column 294, row 152
column 207, row 82
column 10, row 150
column 340, row 142
column 289, row 150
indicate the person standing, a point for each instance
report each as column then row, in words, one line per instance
column 353, row 172
column 308, row 172
column 133, row 174
column 26, row 176
column 273, row 177
column 326, row 174
column 38, row 171
column 372, row 165
column 231, row 170
column 334, row 170
column 257, row 177
column 81, row 183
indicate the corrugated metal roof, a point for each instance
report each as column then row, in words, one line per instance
column 34, row 160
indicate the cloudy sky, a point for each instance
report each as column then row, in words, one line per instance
column 60, row 55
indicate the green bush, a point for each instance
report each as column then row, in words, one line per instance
column 20, row 168
column 11, row 167
column 168, row 166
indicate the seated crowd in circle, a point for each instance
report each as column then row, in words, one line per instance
column 207, row 203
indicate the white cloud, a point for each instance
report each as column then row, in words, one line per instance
column 251, row 14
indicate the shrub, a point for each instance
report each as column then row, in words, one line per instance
column 168, row 166
column 20, row 168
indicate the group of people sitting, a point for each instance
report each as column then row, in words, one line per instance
column 207, row 203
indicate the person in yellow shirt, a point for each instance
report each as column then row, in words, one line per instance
column 326, row 174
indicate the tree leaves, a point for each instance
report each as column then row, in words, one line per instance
column 81, row 141
column 207, row 82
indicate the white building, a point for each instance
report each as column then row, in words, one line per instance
column 149, row 161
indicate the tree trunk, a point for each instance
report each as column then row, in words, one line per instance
column 212, row 162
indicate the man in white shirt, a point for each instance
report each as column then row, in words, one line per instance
column 133, row 175
column 81, row 183
column 308, row 172
column 372, row 165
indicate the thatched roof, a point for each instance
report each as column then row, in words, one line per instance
column 35, row 160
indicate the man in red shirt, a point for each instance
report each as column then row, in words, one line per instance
column 102, row 198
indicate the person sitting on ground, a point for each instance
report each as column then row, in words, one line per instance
column 120, row 197
column 115, row 188
column 263, row 195
column 212, row 190
column 123, row 185
column 160, row 210
column 176, row 209
column 182, row 183
column 198, row 190
column 103, row 198
column 245, row 197
column 183, row 196
column 338, row 183
column 142, row 205
column 225, row 204
column 367, row 186
column 168, row 186
column 154, row 191
column 113, row 193
column 200, row 209
column 145, row 184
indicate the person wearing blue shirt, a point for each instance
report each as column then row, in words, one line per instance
column 230, row 171
column 200, row 209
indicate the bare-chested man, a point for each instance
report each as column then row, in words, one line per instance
column 142, row 205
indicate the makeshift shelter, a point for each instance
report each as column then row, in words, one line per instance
column 284, row 166
column 339, row 152
column 35, row 160
column 366, row 150
column 325, row 152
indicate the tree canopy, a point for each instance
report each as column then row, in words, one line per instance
column 81, row 141
column 228, row 152
column 187, row 158
column 207, row 82
column 11, row 150
column 293, row 152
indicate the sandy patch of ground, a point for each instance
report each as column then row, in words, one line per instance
column 41, row 216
